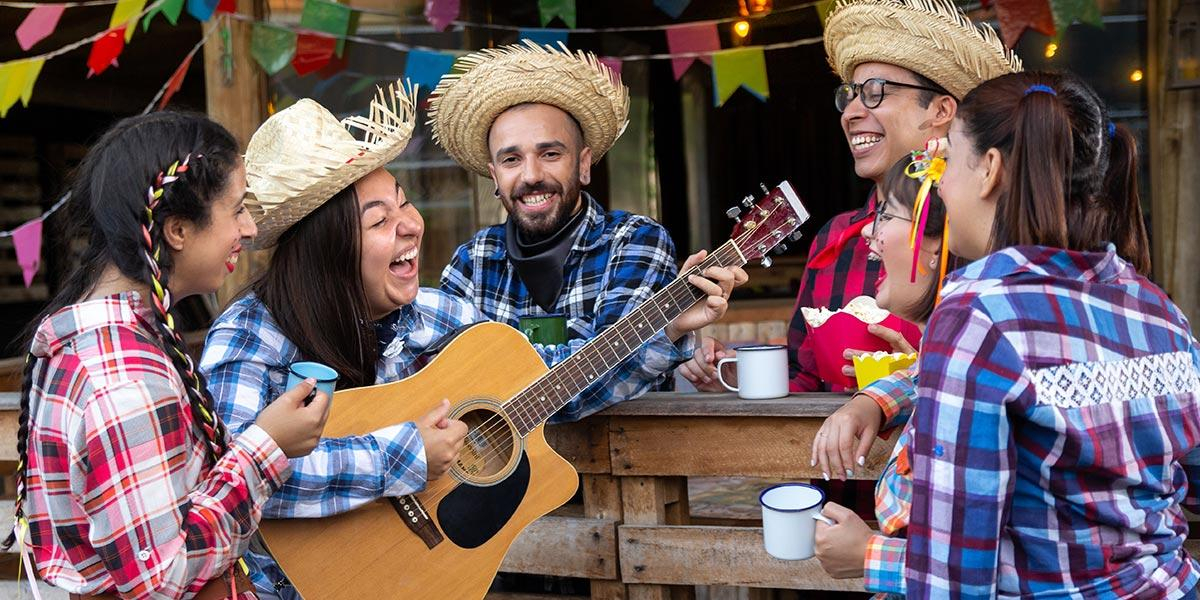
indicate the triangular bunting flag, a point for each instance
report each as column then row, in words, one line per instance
column 31, row 75
column 39, row 24
column 105, row 51
column 674, row 8
column 563, row 9
column 426, row 68
column 313, row 52
column 327, row 17
column 441, row 13
column 16, row 82
column 175, row 82
column 683, row 39
column 201, row 10
column 171, row 9
column 28, row 242
column 1016, row 16
column 126, row 14
column 1067, row 12
column 272, row 47
column 226, row 6
column 543, row 37
column 740, row 67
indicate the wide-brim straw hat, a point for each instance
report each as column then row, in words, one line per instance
column 484, row 84
column 930, row 37
column 303, row 155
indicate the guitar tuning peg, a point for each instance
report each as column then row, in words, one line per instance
column 781, row 248
column 764, row 188
column 766, row 262
column 748, row 201
column 795, row 237
column 733, row 212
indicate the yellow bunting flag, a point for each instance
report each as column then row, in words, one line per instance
column 740, row 67
column 126, row 14
column 16, row 82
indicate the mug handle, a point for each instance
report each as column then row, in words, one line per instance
column 721, row 363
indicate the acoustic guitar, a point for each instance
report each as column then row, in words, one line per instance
column 448, row 541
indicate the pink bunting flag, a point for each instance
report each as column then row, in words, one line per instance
column 614, row 64
column 441, row 13
column 175, row 82
column 28, row 241
column 691, row 38
column 39, row 24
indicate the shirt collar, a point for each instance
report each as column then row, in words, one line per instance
column 124, row 309
column 1098, row 266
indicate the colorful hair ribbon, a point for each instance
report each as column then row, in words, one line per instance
column 928, row 166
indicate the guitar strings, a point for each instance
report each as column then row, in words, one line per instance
column 497, row 423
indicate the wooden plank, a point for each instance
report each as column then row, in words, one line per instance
column 565, row 547
column 697, row 555
column 520, row 596
column 584, row 444
column 653, row 500
column 735, row 446
column 602, row 500
column 698, row 404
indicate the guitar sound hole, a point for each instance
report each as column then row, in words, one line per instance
column 491, row 449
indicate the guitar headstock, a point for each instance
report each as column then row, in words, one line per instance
column 768, row 222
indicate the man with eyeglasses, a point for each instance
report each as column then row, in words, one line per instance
column 904, row 64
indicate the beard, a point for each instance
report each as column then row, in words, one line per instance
column 535, row 228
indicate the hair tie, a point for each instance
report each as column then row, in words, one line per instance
column 1112, row 130
column 1037, row 87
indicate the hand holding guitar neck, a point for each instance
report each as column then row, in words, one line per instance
column 443, row 438
column 717, row 282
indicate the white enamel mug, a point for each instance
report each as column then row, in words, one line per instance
column 790, row 512
column 762, row 372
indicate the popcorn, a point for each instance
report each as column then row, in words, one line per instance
column 862, row 307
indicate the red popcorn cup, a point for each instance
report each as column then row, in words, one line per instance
column 844, row 330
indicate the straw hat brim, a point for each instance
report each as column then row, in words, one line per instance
column 484, row 84
column 930, row 37
column 303, row 155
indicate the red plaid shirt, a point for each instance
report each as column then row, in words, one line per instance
column 120, row 499
column 849, row 276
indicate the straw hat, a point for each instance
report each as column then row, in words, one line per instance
column 484, row 84
column 930, row 37
column 302, row 156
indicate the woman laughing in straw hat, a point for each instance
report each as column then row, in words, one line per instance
column 342, row 290
column 128, row 484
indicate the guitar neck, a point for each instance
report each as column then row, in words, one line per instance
column 545, row 396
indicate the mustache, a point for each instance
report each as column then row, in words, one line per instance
column 537, row 188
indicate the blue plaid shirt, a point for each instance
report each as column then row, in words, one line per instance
column 617, row 262
column 1055, row 439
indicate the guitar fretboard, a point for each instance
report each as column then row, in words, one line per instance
column 568, row 378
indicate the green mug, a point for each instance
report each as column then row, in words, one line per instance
column 548, row 330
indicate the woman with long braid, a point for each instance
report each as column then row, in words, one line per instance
column 128, row 484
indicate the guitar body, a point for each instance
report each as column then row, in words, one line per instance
column 372, row 552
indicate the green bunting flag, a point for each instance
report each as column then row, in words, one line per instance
column 563, row 9
column 739, row 67
column 272, row 47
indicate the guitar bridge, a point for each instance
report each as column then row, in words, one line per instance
column 413, row 514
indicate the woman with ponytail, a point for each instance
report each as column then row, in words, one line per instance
column 1056, row 431
column 128, row 483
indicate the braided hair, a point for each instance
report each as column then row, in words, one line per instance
column 140, row 172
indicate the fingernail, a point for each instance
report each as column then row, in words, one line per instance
column 310, row 381
column 849, row 473
column 812, row 463
column 862, row 460
column 872, row 327
column 825, row 475
column 846, row 354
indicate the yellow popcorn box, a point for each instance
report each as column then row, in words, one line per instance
column 873, row 366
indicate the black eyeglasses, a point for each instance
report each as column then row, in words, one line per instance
column 872, row 91
column 883, row 217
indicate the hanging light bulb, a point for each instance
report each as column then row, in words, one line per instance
column 1136, row 75
column 1051, row 50
column 742, row 29
column 754, row 7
